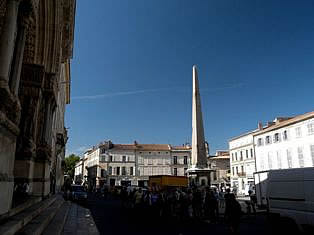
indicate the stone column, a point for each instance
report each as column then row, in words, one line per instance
column 18, row 59
column 7, row 39
column 9, row 109
column 30, row 97
column 44, row 149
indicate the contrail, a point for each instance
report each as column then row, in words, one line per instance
column 119, row 93
column 135, row 92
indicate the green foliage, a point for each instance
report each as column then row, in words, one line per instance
column 70, row 162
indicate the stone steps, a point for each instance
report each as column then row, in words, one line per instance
column 37, row 225
column 20, row 220
column 56, row 225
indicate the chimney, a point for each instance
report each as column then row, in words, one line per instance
column 135, row 142
column 260, row 126
column 270, row 124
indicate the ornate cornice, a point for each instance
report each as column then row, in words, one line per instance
column 69, row 7
column 43, row 152
column 9, row 104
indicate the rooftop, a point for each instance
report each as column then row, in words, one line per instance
column 282, row 122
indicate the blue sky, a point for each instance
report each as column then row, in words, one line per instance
column 132, row 68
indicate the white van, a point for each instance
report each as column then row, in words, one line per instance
column 290, row 197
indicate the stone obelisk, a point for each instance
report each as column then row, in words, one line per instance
column 199, row 173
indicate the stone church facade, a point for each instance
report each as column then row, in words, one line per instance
column 36, row 43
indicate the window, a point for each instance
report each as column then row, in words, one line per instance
column 251, row 152
column 175, row 171
column 110, row 158
column 310, row 128
column 236, row 156
column 102, row 173
column 110, row 170
column 300, row 156
column 185, row 171
column 237, row 170
column 131, row 170
column 124, row 158
column 285, row 135
column 118, row 170
column 242, row 169
column 175, row 160
column 289, row 158
column 276, row 137
column 232, row 157
column 103, row 150
column 241, row 156
column 247, row 153
column 123, row 170
column 270, row 158
column 268, row 140
column 259, row 142
column 150, row 161
column 279, row 160
column 232, row 170
column 312, row 153
column 185, row 160
column 298, row 132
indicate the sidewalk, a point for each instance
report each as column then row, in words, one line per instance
column 79, row 222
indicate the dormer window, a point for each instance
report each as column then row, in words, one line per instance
column 285, row 135
column 276, row 137
column 268, row 140
column 259, row 142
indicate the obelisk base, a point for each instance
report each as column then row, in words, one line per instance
column 199, row 177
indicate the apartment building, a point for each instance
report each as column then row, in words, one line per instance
column 283, row 143
column 242, row 162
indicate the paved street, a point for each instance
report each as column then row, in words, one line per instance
column 108, row 217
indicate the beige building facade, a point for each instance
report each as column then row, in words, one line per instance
column 132, row 164
column 220, row 164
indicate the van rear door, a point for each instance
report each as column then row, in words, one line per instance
column 309, row 194
column 286, row 192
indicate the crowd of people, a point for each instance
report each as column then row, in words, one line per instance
column 183, row 204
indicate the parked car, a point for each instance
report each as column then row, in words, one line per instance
column 78, row 193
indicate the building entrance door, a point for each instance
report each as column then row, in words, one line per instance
column 112, row 182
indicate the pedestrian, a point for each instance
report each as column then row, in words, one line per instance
column 190, row 203
column 227, row 200
column 233, row 214
column 253, row 201
column 25, row 188
column 138, row 201
column 197, row 203
column 221, row 199
column 212, row 207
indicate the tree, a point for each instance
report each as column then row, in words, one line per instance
column 70, row 162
